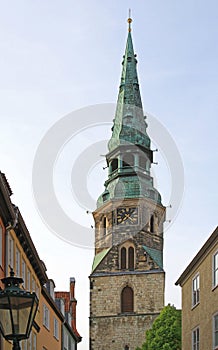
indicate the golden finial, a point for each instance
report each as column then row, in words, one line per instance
column 129, row 20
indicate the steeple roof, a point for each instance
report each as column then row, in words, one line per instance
column 129, row 124
column 129, row 158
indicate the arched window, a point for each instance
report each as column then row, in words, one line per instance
column 114, row 164
column 128, row 160
column 123, row 258
column 127, row 300
column 131, row 258
column 104, row 225
column 152, row 224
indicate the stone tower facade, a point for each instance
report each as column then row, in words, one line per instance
column 127, row 279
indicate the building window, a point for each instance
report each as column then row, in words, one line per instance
column 215, row 269
column 196, row 339
column 142, row 162
column 195, row 290
column 46, row 316
column 127, row 259
column 152, row 224
column 24, row 344
column 37, row 291
column 33, row 284
column 10, row 251
column 66, row 340
column 131, row 258
column 23, row 268
column 128, row 160
column 29, row 342
column 56, row 328
column 215, row 332
column 28, row 279
column 127, row 300
column 104, row 225
column 34, row 337
column 123, row 258
column 17, row 262
column 114, row 165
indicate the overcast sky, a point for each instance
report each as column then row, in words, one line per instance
column 59, row 56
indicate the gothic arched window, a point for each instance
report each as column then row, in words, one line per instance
column 127, row 300
column 123, row 258
column 131, row 258
column 127, row 258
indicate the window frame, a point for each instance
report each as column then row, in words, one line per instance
column 28, row 279
column 34, row 341
column 10, row 251
column 17, row 261
column 215, row 347
column 131, row 258
column 46, row 316
column 56, row 328
column 127, row 257
column 125, row 309
column 214, row 270
column 23, row 271
column 196, row 332
column 196, row 293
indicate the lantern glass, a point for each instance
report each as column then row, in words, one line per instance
column 17, row 312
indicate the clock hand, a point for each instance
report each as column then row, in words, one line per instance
column 127, row 216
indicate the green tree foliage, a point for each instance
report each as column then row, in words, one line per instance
column 165, row 333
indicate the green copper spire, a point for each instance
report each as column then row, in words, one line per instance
column 129, row 158
column 129, row 124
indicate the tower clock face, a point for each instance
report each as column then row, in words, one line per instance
column 127, row 216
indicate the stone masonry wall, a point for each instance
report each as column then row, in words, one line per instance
column 109, row 329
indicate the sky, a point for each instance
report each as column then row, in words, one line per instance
column 61, row 56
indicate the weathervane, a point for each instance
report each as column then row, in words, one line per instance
column 129, row 20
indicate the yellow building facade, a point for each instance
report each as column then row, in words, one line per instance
column 199, row 284
column 17, row 251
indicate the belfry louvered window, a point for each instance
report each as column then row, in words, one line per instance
column 127, row 300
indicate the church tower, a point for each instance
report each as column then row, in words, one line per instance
column 127, row 279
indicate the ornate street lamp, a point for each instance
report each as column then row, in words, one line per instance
column 17, row 310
